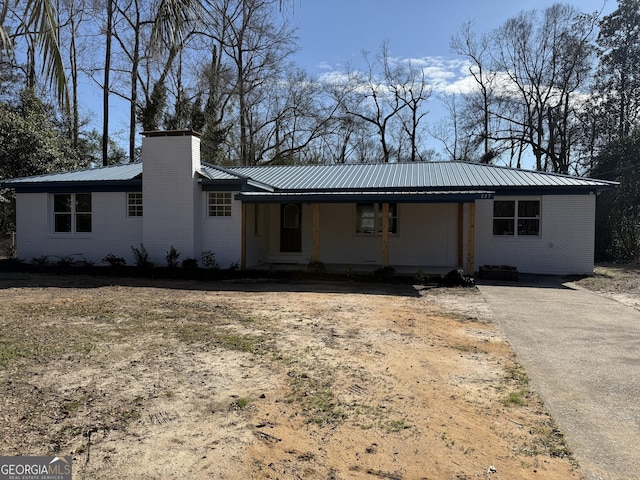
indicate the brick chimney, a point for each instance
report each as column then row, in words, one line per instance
column 171, row 195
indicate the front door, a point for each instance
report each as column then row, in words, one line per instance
column 291, row 227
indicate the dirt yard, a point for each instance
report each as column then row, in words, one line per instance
column 619, row 282
column 262, row 380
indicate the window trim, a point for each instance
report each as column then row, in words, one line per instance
column 74, row 214
column 376, row 213
column 137, row 207
column 516, row 218
column 217, row 208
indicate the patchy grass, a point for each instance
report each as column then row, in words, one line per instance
column 612, row 278
column 516, row 374
column 547, row 439
column 273, row 378
column 517, row 398
column 312, row 393
column 16, row 345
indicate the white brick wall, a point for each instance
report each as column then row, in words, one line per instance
column 170, row 194
column 112, row 231
column 565, row 244
column 222, row 235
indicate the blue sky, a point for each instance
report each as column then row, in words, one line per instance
column 333, row 33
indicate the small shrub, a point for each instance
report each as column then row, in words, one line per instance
column 85, row 263
column 113, row 261
column 172, row 257
column 518, row 398
column 456, row 278
column 209, row 261
column 190, row 263
column 64, row 262
column 385, row 273
column 316, row 267
column 41, row 261
column 141, row 257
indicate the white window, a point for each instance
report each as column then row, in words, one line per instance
column 72, row 212
column 369, row 218
column 516, row 217
column 219, row 204
column 134, row 204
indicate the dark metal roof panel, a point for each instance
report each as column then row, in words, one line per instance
column 127, row 171
column 408, row 175
column 212, row 172
column 317, row 178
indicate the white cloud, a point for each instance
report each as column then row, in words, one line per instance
column 443, row 75
column 334, row 77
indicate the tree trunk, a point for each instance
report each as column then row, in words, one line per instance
column 105, row 87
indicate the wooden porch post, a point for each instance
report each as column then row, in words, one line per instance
column 315, row 256
column 385, row 235
column 460, row 234
column 471, row 239
column 243, row 247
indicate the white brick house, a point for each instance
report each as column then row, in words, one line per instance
column 432, row 216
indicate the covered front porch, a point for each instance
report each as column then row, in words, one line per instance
column 413, row 233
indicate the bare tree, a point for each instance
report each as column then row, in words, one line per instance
column 409, row 84
column 547, row 61
column 369, row 98
column 450, row 132
column 71, row 17
column 479, row 121
column 617, row 82
column 107, row 82
column 251, row 45
column 130, row 37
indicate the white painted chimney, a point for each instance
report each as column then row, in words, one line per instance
column 170, row 194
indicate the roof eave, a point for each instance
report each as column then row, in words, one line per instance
column 594, row 189
column 133, row 185
column 365, row 197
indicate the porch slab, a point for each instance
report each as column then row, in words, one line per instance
column 340, row 268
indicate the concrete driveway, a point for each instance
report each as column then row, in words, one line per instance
column 582, row 353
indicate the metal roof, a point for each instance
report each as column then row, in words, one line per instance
column 421, row 175
column 213, row 172
column 127, row 171
column 396, row 177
